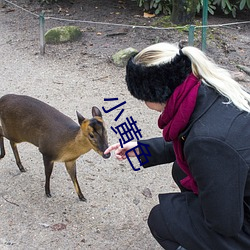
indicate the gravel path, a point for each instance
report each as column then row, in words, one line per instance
column 118, row 199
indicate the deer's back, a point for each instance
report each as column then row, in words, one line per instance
column 24, row 118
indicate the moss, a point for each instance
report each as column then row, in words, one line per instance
column 163, row 22
column 121, row 58
column 63, row 34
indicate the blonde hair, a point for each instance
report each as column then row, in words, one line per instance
column 202, row 67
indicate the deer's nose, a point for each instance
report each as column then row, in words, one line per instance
column 106, row 156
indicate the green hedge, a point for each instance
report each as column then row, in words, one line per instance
column 165, row 6
column 227, row 6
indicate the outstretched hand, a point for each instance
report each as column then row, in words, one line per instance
column 120, row 152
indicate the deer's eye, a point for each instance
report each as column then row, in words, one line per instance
column 91, row 136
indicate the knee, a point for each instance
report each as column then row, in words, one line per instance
column 159, row 229
column 154, row 218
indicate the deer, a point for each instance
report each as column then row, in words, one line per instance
column 58, row 138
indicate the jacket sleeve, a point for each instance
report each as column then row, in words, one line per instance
column 220, row 173
column 162, row 152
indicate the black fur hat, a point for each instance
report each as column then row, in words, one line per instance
column 156, row 83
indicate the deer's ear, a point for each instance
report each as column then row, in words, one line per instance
column 80, row 118
column 96, row 111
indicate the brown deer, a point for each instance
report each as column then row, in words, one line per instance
column 59, row 138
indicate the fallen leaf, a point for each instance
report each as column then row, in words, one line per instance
column 58, row 227
column 147, row 15
column 146, row 192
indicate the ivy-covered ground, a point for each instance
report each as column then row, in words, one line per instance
column 77, row 76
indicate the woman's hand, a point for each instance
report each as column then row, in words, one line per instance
column 120, row 152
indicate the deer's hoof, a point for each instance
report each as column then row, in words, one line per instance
column 82, row 198
column 48, row 195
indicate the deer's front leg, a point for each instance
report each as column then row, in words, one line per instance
column 71, row 168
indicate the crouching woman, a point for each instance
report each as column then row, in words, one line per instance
column 205, row 122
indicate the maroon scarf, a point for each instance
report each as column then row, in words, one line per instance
column 174, row 119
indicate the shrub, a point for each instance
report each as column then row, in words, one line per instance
column 157, row 6
column 165, row 6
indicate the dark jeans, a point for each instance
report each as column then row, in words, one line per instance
column 156, row 222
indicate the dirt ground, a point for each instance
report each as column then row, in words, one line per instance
column 77, row 76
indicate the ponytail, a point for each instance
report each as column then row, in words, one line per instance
column 218, row 78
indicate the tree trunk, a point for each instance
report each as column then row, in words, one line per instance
column 183, row 11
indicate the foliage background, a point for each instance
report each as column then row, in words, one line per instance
column 164, row 6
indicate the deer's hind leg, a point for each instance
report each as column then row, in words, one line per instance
column 48, row 164
column 1, row 144
column 71, row 168
column 15, row 151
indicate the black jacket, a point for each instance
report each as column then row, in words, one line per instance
column 216, row 145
